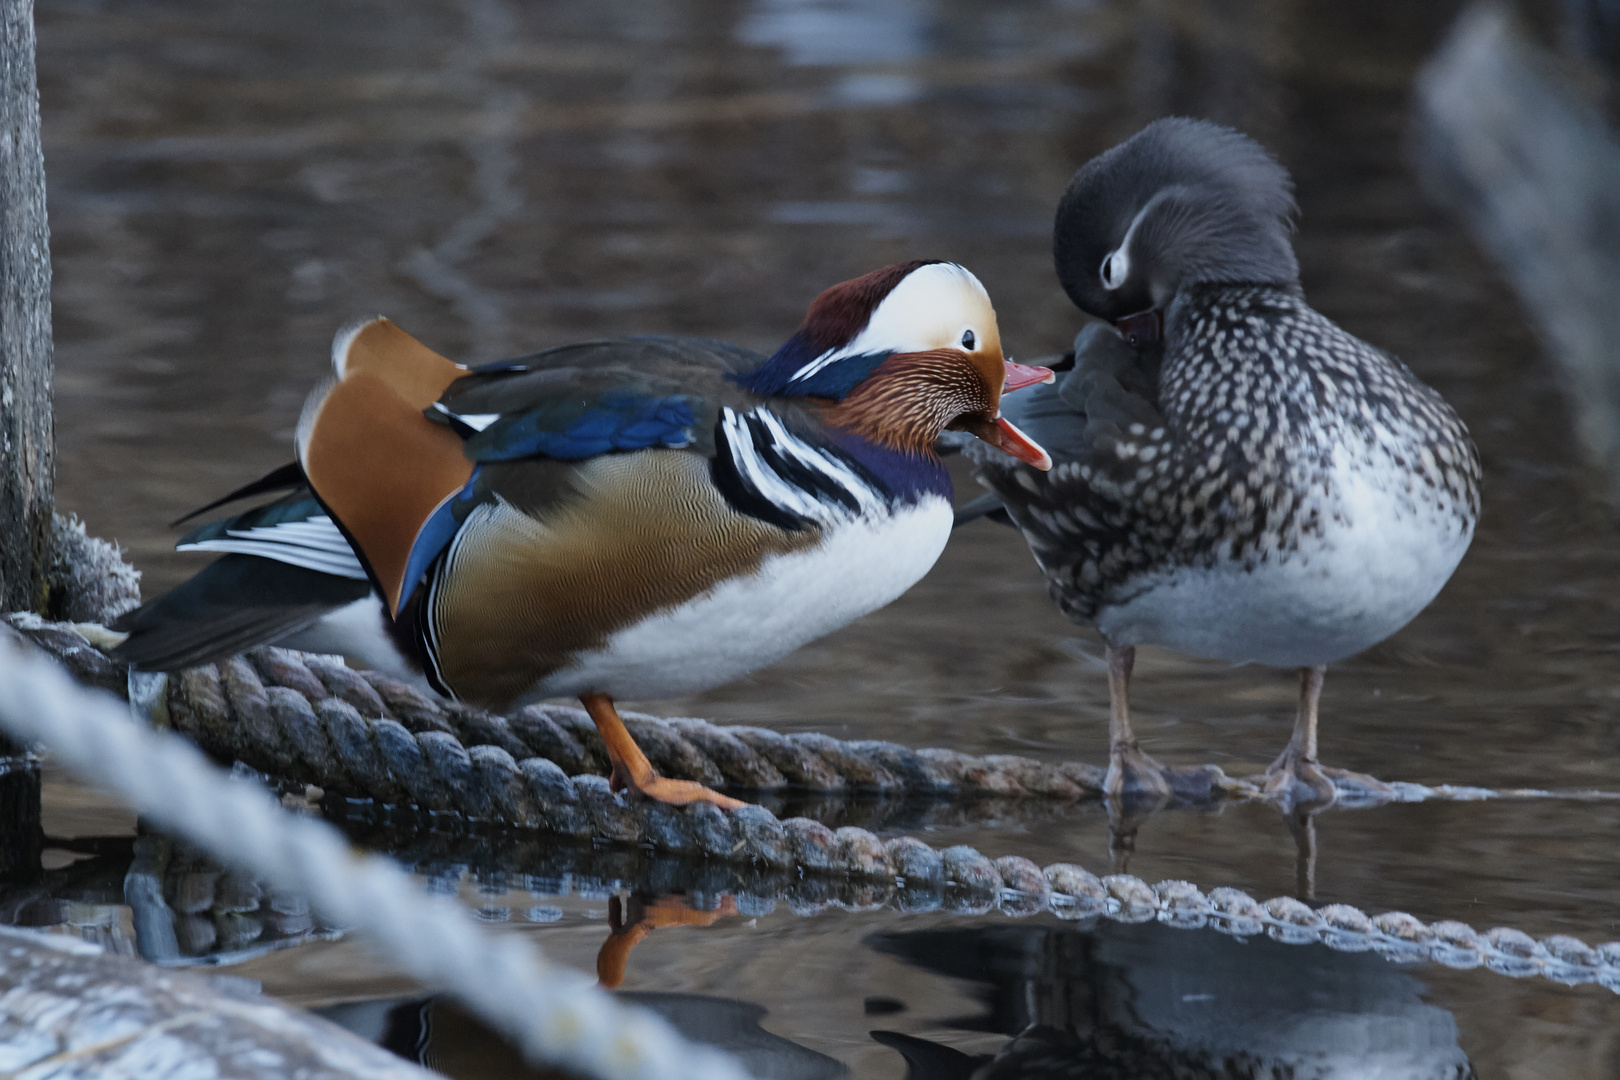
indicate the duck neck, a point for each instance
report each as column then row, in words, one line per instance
column 890, row 421
column 906, row 475
column 906, row 402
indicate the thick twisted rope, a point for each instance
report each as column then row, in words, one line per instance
column 956, row 881
column 753, row 854
column 1073, row 893
column 312, row 719
column 551, row 1012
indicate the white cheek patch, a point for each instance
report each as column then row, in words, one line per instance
column 925, row 311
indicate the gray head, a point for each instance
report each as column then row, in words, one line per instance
column 1182, row 202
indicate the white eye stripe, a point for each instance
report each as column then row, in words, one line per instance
column 1116, row 267
column 912, row 317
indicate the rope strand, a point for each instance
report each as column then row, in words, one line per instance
column 233, row 713
column 551, row 1012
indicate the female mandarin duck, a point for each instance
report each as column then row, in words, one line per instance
column 640, row 517
column 1236, row 476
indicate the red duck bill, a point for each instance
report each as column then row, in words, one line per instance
column 1004, row 436
column 1002, row 433
column 1022, row 375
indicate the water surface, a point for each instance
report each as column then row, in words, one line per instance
column 230, row 183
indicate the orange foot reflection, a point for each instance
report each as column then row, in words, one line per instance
column 644, row 916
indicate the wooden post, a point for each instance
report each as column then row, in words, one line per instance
column 21, row 840
column 27, row 435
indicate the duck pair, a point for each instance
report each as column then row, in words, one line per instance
column 642, row 517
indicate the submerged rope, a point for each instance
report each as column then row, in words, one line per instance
column 548, row 1010
column 1073, row 893
column 956, row 881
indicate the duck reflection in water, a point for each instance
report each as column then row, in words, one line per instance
column 631, row 920
column 1149, row 1001
column 435, row 1033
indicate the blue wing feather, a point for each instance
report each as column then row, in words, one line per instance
column 435, row 535
column 618, row 420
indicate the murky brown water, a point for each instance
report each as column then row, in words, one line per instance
column 229, row 183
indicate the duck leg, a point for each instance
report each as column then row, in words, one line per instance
column 1302, row 827
column 1131, row 773
column 1295, row 778
column 632, row 770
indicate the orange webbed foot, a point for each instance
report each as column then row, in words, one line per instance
column 673, row 792
column 632, row 770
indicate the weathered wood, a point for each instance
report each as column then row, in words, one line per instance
column 21, row 840
column 69, row 1011
column 27, row 446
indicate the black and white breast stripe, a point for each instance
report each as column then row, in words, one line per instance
column 314, row 543
column 777, row 476
column 427, row 624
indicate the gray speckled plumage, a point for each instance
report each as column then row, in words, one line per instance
column 1260, row 486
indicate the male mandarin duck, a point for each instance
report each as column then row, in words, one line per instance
column 639, row 517
column 1236, row 477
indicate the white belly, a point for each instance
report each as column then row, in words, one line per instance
column 357, row 633
column 746, row 623
column 1382, row 557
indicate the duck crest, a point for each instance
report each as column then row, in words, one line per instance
column 822, row 359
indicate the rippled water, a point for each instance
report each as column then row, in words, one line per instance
column 230, row 183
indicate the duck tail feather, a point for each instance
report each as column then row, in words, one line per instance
column 286, row 478
column 236, row 603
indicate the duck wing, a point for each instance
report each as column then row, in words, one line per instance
column 1085, row 520
column 286, row 565
column 577, row 401
column 397, row 445
column 516, row 514
column 289, row 563
column 1087, row 411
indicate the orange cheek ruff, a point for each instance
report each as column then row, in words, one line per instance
column 911, row 397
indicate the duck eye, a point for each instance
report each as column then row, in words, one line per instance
column 1115, row 268
column 967, row 340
